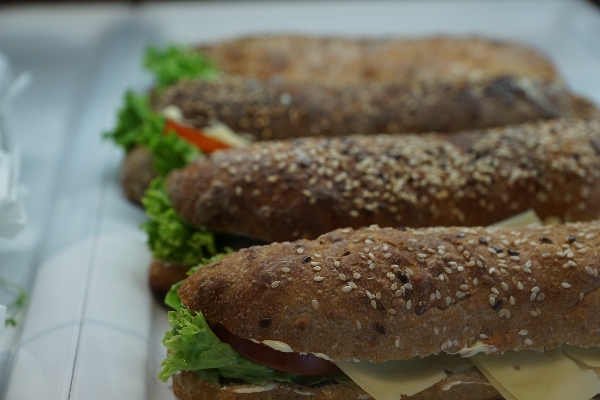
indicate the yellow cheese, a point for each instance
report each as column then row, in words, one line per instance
column 528, row 217
column 589, row 356
column 532, row 375
column 391, row 379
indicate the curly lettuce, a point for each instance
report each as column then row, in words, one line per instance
column 192, row 346
column 169, row 237
column 137, row 124
column 175, row 63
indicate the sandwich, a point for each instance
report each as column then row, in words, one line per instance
column 305, row 187
column 280, row 87
column 431, row 313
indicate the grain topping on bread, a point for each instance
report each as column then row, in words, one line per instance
column 387, row 294
column 303, row 188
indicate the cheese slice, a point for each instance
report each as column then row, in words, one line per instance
column 589, row 356
column 391, row 379
column 532, row 375
column 525, row 218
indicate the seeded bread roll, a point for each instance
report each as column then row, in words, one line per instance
column 302, row 188
column 386, row 294
column 280, row 109
column 136, row 173
column 354, row 60
column 472, row 386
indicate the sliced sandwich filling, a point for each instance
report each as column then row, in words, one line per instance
column 216, row 356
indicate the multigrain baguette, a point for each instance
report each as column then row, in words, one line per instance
column 469, row 385
column 387, row 294
column 302, row 188
column 280, row 109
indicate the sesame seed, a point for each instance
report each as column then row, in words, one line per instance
column 528, row 342
column 535, row 289
column 374, row 304
column 448, row 300
column 336, row 263
column 436, row 330
column 460, row 294
column 358, row 325
column 352, row 285
column 566, row 285
column 533, row 296
column 387, row 255
column 533, row 313
column 285, row 269
column 464, row 287
column 545, row 255
column 397, row 342
column 275, row 284
column 512, row 301
column 300, row 250
column 409, row 271
column 342, row 277
column 523, row 332
column 315, row 304
column 504, row 286
column 346, row 289
column 483, row 336
column 356, row 275
column 494, row 290
column 391, row 311
column 422, row 255
column 317, row 268
column 475, row 281
column 492, row 301
column 581, row 296
column 318, row 278
column 408, row 304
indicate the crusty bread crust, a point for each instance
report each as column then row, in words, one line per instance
column 354, row 60
column 164, row 274
column 188, row 386
column 302, row 188
column 382, row 294
column 137, row 171
column 280, row 109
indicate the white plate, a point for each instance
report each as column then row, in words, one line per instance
column 93, row 330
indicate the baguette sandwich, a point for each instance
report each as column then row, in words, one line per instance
column 383, row 313
column 302, row 188
column 279, row 87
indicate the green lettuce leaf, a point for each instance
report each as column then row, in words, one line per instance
column 175, row 63
column 169, row 237
column 137, row 124
column 192, row 346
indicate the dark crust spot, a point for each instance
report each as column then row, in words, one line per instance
column 265, row 323
column 546, row 240
column 512, row 252
column 401, row 228
column 403, row 277
column 572, row 239
column 483, row 241
column 380, row 329
column 306, row 259
column 461, row 235
column 345, row 253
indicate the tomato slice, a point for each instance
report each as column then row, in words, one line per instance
column 295, row 363
column 194, row 136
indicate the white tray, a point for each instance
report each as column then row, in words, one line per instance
column 92, row 329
